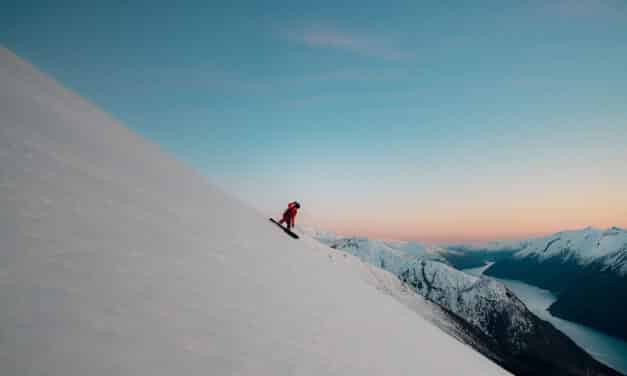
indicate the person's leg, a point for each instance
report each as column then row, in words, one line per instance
column 285, row 219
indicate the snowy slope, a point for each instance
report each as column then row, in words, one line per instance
column 606, row 247
column 117, row 260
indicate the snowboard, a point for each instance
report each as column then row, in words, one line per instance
column 290, row 233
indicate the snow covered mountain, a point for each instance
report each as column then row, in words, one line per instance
column 489, row 316
column 392, row 256
column 607, row 248
column 115, row 259
column 587, row 269
column 604, row 248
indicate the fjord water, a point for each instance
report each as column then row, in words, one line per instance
column 606, row 349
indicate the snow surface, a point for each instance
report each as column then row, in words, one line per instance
column 607, row 247
column 116, row 259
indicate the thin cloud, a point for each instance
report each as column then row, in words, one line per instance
column 334, row 39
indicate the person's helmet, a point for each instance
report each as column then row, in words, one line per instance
column 297, row 204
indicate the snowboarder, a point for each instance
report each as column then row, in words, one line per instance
column 290, row 214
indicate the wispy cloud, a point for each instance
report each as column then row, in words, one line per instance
column 325, row 37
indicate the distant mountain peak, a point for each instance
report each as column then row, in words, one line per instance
column 586, row 246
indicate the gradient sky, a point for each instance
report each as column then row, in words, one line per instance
column 438, row 122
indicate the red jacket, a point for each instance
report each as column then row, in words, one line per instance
column 291, row 211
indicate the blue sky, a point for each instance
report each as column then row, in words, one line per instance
column 438, row 121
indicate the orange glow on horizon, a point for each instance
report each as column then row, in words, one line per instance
column 473, row 225
column 480, row 208
column 471, row 236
